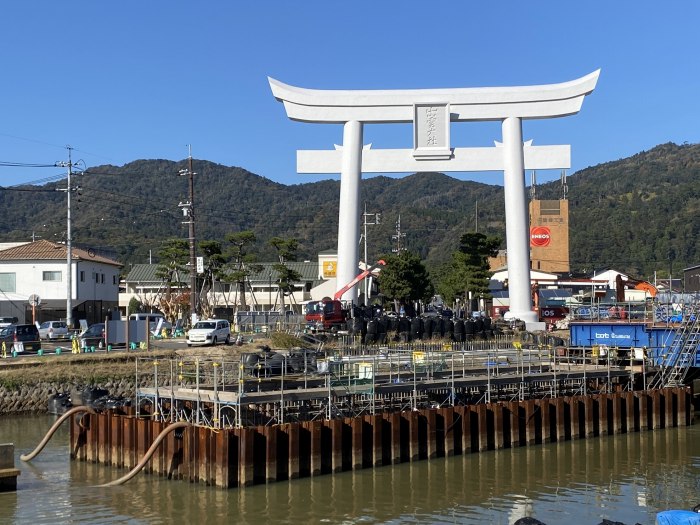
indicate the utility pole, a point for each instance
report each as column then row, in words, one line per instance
column 398, row 237
column 188, row 211
column 69, row 251
column 375, row 218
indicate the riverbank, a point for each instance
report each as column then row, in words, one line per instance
column 26, row 383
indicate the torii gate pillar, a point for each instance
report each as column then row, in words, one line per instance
column 348, row 218
column 432, row 111
column 517, row 222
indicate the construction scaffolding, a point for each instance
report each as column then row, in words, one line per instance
column 270, row 388
column 679, row 356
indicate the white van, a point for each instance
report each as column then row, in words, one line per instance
column 209, row 332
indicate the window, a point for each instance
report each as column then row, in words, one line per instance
column 51, row 276
column 82, row 276
column 114, row 279
column 8, row 282
column 102, row 278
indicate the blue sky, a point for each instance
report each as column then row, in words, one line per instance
column 121, row 81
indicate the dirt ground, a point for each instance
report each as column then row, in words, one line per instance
column 100, row 367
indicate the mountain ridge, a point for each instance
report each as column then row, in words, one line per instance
column 638, row 214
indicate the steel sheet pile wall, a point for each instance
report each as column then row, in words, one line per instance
column 247, row 456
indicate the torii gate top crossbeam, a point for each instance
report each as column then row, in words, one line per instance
column 482, row 103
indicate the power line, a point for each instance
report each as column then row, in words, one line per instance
column 8, row 164
column 35, row 141
column 30, row 190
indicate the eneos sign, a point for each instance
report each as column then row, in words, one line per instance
column 540, row 236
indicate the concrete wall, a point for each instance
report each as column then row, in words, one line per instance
column 34, row 397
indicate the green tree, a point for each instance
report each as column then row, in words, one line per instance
column 134, row 306
column 469, row 270
column 242, row 264
column 286, row 277
column 405, row 279
column 213, row 264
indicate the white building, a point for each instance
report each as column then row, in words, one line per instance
column 499, row 278
column 37, row 271
column 318, row 280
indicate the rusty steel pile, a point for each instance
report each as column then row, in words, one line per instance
column 268, row 387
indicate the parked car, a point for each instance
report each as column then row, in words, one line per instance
column 27, row 335
column 209, row 332
column 7, row 321
column 93, row 336
column 53, row 330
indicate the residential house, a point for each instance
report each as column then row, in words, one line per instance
column 34, row 285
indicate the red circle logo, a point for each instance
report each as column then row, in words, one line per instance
column 540, row 236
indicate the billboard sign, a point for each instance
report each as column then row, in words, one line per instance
column 329, row 269
column 612, row 335
column 540, row 236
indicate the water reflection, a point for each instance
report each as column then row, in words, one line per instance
column 626, row 478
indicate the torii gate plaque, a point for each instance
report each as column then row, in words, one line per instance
column 432, row 111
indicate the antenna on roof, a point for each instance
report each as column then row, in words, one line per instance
column 564, row 186
column 533, row 185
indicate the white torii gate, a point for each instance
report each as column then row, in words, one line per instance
column 432, row 111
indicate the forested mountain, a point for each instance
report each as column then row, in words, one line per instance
column 637, row 214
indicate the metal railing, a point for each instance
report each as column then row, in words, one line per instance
column 277, row 388
column 617, row 312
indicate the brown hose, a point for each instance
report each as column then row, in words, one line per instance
column 52, row 430
column 147, row 456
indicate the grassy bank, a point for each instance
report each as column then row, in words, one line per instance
column 82, row 368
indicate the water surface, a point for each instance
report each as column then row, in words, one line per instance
column 627, row 478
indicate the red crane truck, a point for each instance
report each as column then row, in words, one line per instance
column 328, row 314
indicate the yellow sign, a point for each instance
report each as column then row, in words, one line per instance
column 418, row 358
column 329, row 269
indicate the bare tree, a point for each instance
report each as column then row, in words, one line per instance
column 172, row 269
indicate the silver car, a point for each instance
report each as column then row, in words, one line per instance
column 53, row 330
column 209, row 332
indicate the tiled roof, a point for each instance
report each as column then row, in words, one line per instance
column 146, row 273
column 307, row 270
column 44, row 250
column 8, row 245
